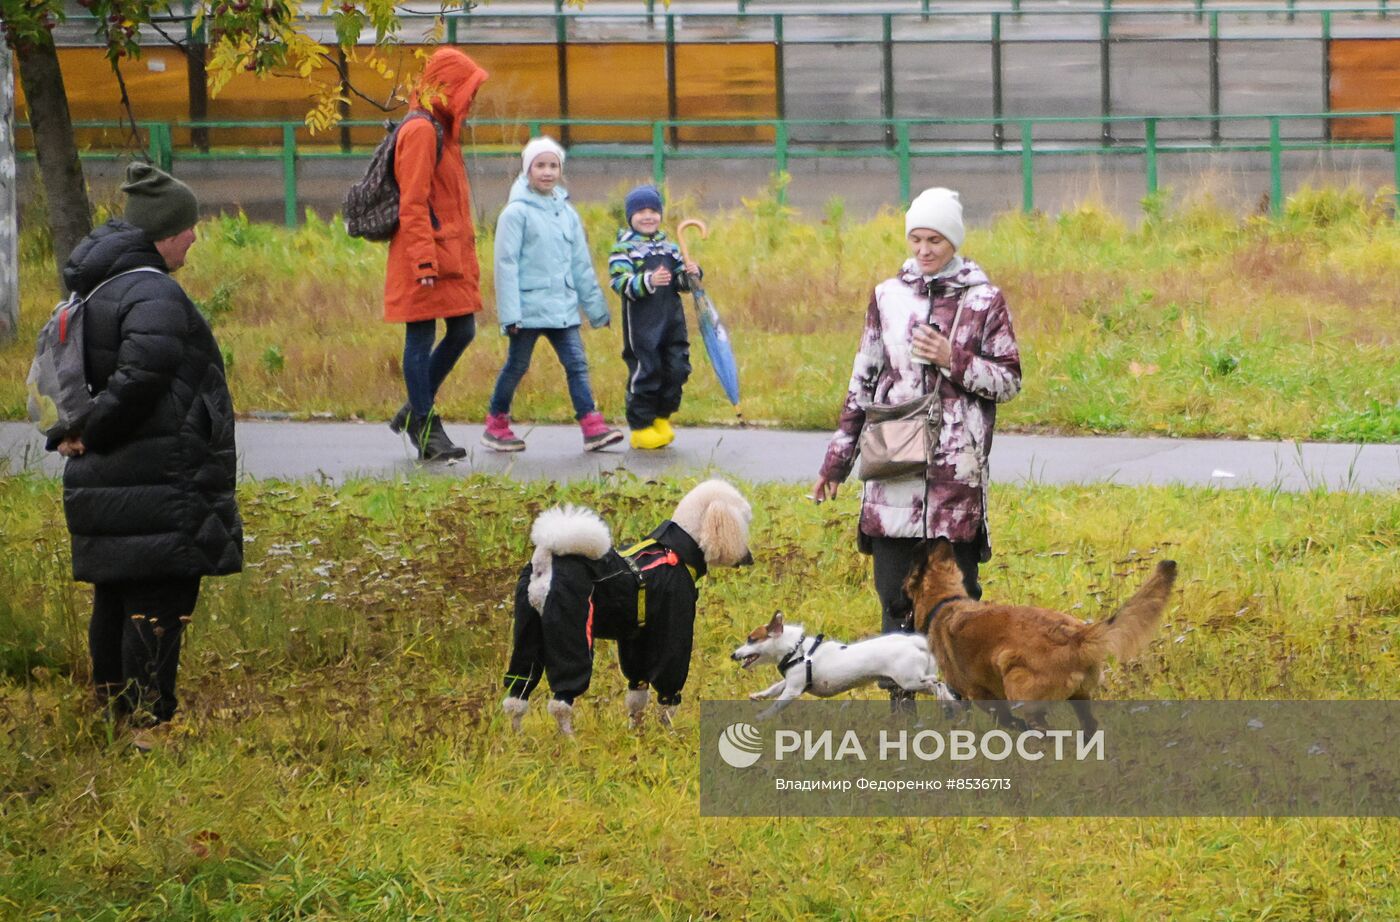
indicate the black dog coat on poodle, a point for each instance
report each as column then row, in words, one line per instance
column 578, row 588
column 643, row 598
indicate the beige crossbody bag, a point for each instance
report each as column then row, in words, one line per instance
column 899, row 439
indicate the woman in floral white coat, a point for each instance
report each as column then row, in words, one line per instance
column 905, row 351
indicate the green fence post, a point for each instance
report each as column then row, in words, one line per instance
column 925, row 4
column 658, row 153
column 673, row 106
column 1326, row 73
column 451, row 28
column 1016, row 8
column 561, row 45
column 1290, row 6
column 1200, row 10
column 1275, row 168
column 998, row 129
column 887, row 76
column 1150, row 143
column 780, row 150
column 1214, row 59
column 163, row 139
column 1395, row 149
column 779, row 69
column 1027, row 167
column 197, row 77
column 1105, row 81
column 343, row 106
column 651, row 14
column 153, row 152
column 905, row 192
column 289, row 174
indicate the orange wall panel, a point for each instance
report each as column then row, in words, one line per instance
column 736, row 81
column 625, row 81
column 616, row 81
column 157, row 83
column 1365, row 78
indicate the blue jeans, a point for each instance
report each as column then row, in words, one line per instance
column 568, row 345
column 425, row 368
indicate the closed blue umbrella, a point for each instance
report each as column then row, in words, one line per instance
column 712, row 330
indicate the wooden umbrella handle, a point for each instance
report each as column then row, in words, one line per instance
column 680, row 235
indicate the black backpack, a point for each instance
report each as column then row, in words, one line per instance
column 371, row 206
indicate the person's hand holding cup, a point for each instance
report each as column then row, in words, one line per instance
column 930, row 347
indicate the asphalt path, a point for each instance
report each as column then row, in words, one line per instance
column 339, row 451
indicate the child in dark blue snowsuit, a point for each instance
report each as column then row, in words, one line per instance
column 647, row 271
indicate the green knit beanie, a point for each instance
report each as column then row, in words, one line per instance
column 157, row 202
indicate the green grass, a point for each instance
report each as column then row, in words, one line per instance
column 1193, row 323
column 345, row 757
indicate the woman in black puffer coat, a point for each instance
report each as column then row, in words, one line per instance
column 148, row 489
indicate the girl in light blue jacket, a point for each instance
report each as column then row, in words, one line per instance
column 543, row 276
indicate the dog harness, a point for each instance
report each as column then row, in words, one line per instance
column 797, row 655
column 640, row 558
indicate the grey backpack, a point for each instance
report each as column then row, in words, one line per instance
column 59, row 396
column 371, row 207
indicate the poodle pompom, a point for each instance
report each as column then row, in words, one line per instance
column 571, row 530
column 563, row 530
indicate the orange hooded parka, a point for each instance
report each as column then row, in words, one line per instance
column 436, row 238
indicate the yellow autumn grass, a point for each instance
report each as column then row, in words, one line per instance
column 343, row 755
column 1252, row 327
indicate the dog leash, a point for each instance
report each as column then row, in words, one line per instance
column 797, row 655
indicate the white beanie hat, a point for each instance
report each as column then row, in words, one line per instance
column 541, row 145
column 937, row 209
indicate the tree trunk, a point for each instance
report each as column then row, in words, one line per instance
column 9, row 204
column 70, row 212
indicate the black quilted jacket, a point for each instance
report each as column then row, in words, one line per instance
column 153, row 497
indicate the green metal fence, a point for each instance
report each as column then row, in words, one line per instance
column 1020, row 143
column 970, row 22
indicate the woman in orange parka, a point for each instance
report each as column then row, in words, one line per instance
column 433, row 273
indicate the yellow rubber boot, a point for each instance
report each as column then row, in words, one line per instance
column 663, row 426
column 649, row 439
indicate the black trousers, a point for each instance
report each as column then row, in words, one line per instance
column 893, row 559
column 656, row 349
column 134, row 639
column 555, row 642
column 584, row 606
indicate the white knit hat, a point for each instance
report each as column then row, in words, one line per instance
column 937, row 209
column 541, row 145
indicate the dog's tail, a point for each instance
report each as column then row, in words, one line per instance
column 1132, row 626
column 563, row 530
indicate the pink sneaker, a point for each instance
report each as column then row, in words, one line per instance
column 597, row 433
column 498, row 435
